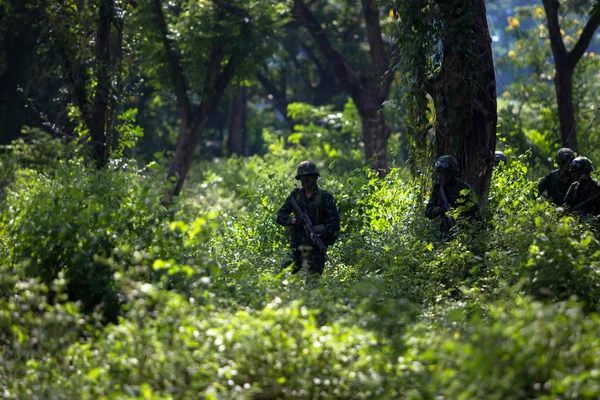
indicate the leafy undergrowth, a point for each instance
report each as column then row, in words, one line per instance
column 104, row 296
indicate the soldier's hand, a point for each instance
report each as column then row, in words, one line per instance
column 312, row 237
column 293, row 221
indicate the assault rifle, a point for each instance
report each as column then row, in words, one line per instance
column 308, row 226
column 578, row 208
column 446, row 206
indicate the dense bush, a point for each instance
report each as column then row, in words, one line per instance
column 89, row 224
column 201, row 308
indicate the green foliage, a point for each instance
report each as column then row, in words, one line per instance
column 128, row 132
column 420, row 60
column 195, row 27
column 81, row 222
column 517, row 349
column 504, row 310
column 528, row 116
column 334, row 136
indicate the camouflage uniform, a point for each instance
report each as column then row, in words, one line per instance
column 556, row 183
column 583, row 195
column 458, row 193
column 323, row 213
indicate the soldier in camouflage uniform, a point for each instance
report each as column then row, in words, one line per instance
column 458, row 193
column 320, row 207
column 583, row 195
column 556, row 183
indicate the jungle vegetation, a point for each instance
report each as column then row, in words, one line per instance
column 146, row 146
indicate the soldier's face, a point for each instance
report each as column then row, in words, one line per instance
column 308, row 181
column 578, row 175
column 563, row 166
column 445, row 177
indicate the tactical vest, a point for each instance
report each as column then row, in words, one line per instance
column 292, row 232
column 317, row 204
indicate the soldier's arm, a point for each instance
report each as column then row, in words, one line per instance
column 433, row 209
column 570, row 197
column 543, row 185
column 283, row 216
column 331, row 217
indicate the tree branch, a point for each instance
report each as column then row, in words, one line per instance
column 279, row 98
column 584, row 40
column 240, row 12
column 377, row 50
column 348, row 77
column 175, row 68
column 556, row 41
column 216, row 79
column 313, row 57
column 388, row 76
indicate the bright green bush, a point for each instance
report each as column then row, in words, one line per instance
column 34, row 334
column 75, row 219
column 517, row 350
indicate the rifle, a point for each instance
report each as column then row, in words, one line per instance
column 579, row 208
column 446, row 206
column 308, row 226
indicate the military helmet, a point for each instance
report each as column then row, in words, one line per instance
column 307, row 168
column 446, row 163
column 499, row 157
column 564, row 155
column 582, row 164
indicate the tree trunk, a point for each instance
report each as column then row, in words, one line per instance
column 184, row 155
column 215, row 83
column 237, row 115
column 376, row 133
column 216, row 80
column 564, row 64
column 563, row 82
column 100, row 113
column 368, row 91
column 465, row 97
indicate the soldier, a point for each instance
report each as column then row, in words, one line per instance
column 556, row 183
column 319, row 206
column 499, row 157
column 450, row 192
column 583, row 195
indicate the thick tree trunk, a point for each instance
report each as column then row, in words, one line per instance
column 375, row 136
column 376, row 133
column 100, row 113
column 563, row 82
column 237, row 115
column 465, row 100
